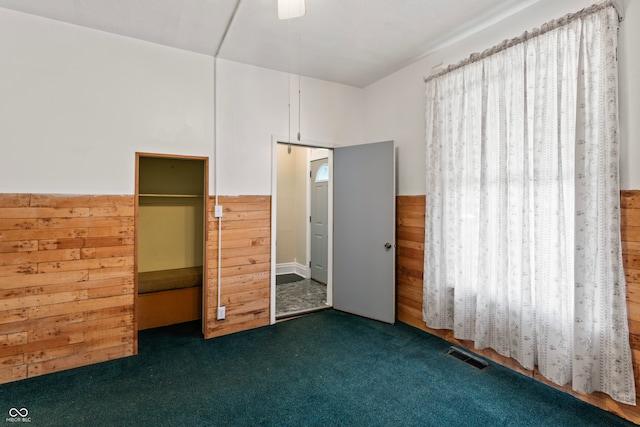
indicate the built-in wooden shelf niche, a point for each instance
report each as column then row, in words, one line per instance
column 171, row 228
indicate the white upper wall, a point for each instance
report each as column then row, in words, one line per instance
column 76, row 104
column 394, row 106
column 629, row 96
column 252, row 108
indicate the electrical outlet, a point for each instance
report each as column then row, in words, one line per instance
column 217, row 211
column 222, row 313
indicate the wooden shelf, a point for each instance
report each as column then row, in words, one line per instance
column 171, row 195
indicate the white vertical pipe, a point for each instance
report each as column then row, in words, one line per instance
column 215, row 142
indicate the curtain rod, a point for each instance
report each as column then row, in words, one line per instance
column 551, row 25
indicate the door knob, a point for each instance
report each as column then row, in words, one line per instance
column 387, row 245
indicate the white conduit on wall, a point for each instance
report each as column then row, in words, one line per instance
column 215, row 145
column 215, row 172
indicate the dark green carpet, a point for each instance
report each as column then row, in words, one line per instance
column 327, row 369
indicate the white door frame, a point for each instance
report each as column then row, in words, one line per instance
column 275, row 140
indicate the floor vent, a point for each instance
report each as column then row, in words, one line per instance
column 467, row 358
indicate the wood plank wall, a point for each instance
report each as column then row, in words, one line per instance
column 66, row 282
column 245, row 264
column 410, row 234
column 410, row 217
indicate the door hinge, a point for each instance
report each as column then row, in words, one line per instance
column 309, row 264
column 309, row 218
column 310, row 176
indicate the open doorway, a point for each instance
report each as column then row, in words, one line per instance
column 361, row 227
column 303, row 216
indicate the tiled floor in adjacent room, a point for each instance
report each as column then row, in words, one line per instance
column 296, row 295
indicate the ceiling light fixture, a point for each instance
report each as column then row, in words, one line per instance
column 288, row 9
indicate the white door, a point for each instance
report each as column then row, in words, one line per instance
column 364, row 230
column 319, row 219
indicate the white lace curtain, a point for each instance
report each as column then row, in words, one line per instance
column 522, row 244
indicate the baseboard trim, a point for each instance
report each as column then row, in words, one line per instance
column 292, row 268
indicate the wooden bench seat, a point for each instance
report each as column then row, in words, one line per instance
column 168, row 297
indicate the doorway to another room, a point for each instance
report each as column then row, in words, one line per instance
column 360, row 222
column 302, row 230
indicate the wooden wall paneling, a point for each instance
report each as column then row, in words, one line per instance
column 410, row 235
column 630, row 233
column 410, row 258
column 245, row 264
column 66, row 282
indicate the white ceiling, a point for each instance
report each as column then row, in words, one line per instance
column 354, row 42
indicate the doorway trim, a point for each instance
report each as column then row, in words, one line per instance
column 279, row 139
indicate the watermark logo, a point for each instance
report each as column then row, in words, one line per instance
column 15, row 412
column 18, row 415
